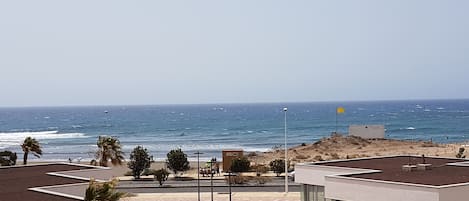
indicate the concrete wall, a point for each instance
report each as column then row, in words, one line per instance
column 315, row 174
column 455, row 193
column 352, row 189
column 367, row 131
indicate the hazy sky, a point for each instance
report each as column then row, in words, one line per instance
column 171, row 52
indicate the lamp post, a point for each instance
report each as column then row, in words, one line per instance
column 213, row 160
column 286, row 152
column 229, row 181
column 198, row 174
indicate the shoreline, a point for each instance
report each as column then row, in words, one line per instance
column 332, row 148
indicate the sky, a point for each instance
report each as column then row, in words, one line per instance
column 59, row 53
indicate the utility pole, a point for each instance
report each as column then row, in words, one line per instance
column 198, row 174
column 229, row 181
column 286, row 152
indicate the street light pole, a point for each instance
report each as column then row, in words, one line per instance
column 198, row 174
column 286, row 152
column 229, row 181
column 211, row 177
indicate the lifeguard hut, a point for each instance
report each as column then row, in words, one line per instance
column 228, row 156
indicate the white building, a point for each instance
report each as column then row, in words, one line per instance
column 393, row 178
column 367, row 131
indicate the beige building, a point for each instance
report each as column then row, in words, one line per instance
column 393, row 178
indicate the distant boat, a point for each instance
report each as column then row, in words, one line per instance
column 105, row 111
column 418, row 106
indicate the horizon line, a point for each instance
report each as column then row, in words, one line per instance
column 234, row 103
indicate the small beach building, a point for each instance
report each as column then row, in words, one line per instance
column 393, row 178
column 228, row 156
column 367, row 131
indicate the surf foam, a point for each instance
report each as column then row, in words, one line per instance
column 15, row 138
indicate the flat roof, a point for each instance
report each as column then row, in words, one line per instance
column 390, row 168
column 15, row 181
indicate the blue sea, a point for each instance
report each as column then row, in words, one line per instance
column 71, row 132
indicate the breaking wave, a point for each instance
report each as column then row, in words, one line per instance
column 15, row 138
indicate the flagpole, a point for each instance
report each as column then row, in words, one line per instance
column 336, row 120
column 338, row 110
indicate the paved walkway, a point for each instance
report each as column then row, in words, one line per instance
column 238, row 196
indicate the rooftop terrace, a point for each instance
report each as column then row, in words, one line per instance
column 444, row 171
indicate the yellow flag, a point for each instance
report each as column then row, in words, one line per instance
column 340, row 110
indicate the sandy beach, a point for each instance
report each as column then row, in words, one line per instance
column 346, row 147
column 329, row 148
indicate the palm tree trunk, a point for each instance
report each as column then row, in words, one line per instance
column 25, row 157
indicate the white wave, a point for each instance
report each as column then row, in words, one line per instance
column 15, row 138
column 252, row 149
column 410, row 128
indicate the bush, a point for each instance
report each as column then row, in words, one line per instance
column 238, row 179
column 318, row 158
column 103, row 191
column 460, row 153
column 161, row 175
column 278, row 166
column 139, row 161
column 301, row 157
column 262, row 180
column 177, row 161
column 240, row 165
column 261, row 169
column 7, row 158
column 335, row 156
column 147, row 172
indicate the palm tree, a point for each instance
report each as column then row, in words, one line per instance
column 31, row 145
column 109, row 148
column 103, row 191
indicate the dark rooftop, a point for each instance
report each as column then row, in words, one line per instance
column 391, row 170
column 15, row 181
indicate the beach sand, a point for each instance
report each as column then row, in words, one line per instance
column 347, row 147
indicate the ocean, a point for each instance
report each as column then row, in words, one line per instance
column 71, row 132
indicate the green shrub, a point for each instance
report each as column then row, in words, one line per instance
column 7, row 158
column 240, row 165
column 460, row 153
column 161, row 175
column 278, row 166
column 261, row 169
column 139, row 161
column 238, row 179
column 262, row 180
column 177, row 161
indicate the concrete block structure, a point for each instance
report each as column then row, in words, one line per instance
column 367, row 131
column 228, row 156
column 384, row 179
